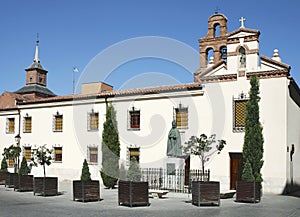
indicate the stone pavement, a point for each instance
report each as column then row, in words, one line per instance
column 174, row 204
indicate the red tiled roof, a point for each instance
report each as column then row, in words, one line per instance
column 135, row 91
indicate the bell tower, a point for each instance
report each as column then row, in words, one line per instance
column 215, row 41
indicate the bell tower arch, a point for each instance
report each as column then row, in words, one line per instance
column 215, row 39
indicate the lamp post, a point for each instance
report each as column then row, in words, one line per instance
column 17, row 139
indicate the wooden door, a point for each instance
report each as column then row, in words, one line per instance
column 236, row 163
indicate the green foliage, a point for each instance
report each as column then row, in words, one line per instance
column 253, row 140
column 3, row 165
column 203, row 146
column 85, row 172
column 134, row 171
column 24, row 169
column 110, row 149
column 42, row 156
column 12, row 152
column 247, row 174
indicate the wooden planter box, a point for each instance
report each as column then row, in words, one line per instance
column 11, row 179
column 3, row 175
column 205, row 193
column 86, row 190
column 248, row 192
column 45, row 186
column 24, row 183
column 133, row 193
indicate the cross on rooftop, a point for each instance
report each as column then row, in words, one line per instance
column 242, row 20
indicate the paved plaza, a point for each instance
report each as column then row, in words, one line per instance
column 174, row 204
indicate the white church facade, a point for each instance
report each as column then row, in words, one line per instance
column 213, row 104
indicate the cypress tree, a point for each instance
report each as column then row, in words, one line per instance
column 134, row 171
column 110, row 149
column 253, row 140
column 3, row 165
column 24, row 169
column 85, row 172
column 247, row 172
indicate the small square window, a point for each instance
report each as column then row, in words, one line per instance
column 27, row 153
column 134, row 119
column 27, row 124
column 93, row 155
column 10, row 125
column 58, row 123
column 58, row 154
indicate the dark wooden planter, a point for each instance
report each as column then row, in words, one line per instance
column 11, row 179
column 248, row 192
column 24, row 183
column 86, row 190
column 46, row 186
column 3, row 175
column 205, row 193
column 133, row 193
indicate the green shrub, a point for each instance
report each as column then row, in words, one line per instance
column 134, row 171
column 3, row 165
column 85, row 172
column 24, row 169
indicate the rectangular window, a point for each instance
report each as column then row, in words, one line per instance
column 93, row 121
column 58, row 154
column 239, row 115
column 11, row 162
column 134, row 119
column 27, row 153
column 182, row 117
column 10, row 125
column 134, row 152
column 27, row 124
column 93, row 154
column 58, row 123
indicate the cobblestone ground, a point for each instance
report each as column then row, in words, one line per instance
column 174, row 204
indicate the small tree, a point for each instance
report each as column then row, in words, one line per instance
column 3, row 165
column 43, row 157
column 110, row 149
column 202, row 147
column 85, row 172
column 12, row 152
column 24, row 169
column 247, row 174
column 134, row 171
column 253, row 140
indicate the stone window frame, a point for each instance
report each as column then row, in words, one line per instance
column 56, row 149
column 182, row 109
column 241, row 98
column 10, row 125
column 27, row 152
column 91, row 126
column 57, row 126
column 89, row 153
column 136, row 112
column 27, row 124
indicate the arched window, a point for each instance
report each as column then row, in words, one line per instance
column 209, row 54
column 223, row 52
column 217, row 30
column 242, row 57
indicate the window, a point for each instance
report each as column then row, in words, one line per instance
column 58, row 154
column 93, row 121
column 134, row 152
column 11, row 162
column 10, row 125
column 27, row 124
column 27, row 153
column 223, row 52
column 242, row 57
column 182, row 116
column 93, row 154
column 239, row 113
column 58, row 123
column 134, row 119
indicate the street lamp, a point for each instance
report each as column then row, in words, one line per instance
column 17, row 139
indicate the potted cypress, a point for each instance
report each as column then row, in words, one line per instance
column 3, row 171
column 86, row 189
column 44, row 185
column 24, row 182
column 249, row 189
column 133, row 192
column 12, row 152
column 204, row 191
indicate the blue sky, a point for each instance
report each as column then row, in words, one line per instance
column 72, row 33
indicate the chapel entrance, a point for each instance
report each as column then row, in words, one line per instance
column 236, row 164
